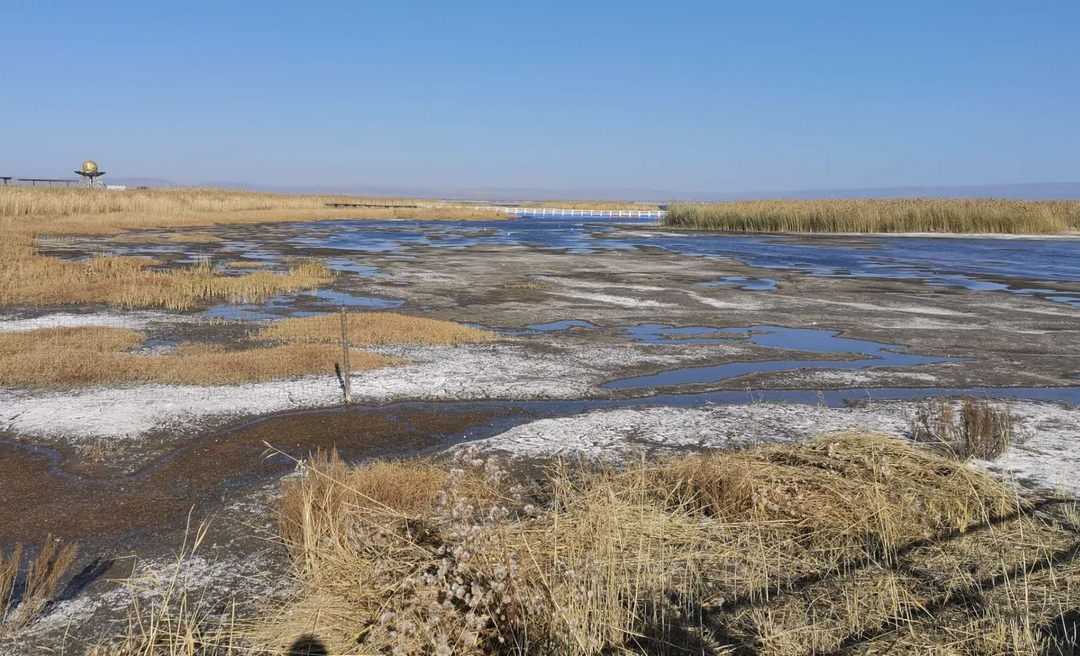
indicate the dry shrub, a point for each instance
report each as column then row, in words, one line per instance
column 23, row 598
column 980, row 429
column 95, row 355
column 374, row 329
column 896, row 215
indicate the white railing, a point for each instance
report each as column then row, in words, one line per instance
column 596, row 214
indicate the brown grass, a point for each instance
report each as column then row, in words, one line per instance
column 836, row 544
column 86, row 211
column 979, row 428
column 93, row 355
column 372, row 329
column 893, row 215
column 37, row 586
column 246, row 264
column 27, row 277
column 853, row 543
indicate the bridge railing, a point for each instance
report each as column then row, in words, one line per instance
column 594, row 214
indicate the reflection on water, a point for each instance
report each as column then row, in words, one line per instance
column 747, row 284
column 793, row 339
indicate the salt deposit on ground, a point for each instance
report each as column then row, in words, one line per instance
column 479, row 372
column 133, row 320
column 1045, row 456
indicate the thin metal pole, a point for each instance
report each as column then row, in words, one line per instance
column 345, row 373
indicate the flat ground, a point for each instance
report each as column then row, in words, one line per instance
column 124, row 468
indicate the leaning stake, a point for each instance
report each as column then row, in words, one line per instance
column 345, row 375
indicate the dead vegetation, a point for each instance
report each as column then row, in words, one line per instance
column 96, row 355
column 87, row 211
column 25, row 593
column 885, row 215
column 974, row 428
column 525, row 285
column 28, row 278
column 853, row 543
column 374, row 329
column 246, row 264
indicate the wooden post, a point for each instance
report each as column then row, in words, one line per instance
column 346, row 374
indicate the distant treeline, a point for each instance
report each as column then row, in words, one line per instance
column 892, row 215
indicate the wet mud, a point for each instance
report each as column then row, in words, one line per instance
column 46, row 492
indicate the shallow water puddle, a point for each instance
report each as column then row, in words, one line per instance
column 792, row 339
column 299, row 304
column 556, row 326
column 746, row 284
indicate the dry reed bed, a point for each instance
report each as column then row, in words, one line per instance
column 853, row 543
column 374, row 329
column 29, row 278
column 895, row 215
column 292, row 347
column 101, row 356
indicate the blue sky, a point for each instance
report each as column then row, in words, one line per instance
column 686, row 96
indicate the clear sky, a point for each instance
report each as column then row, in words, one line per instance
column 690, row 96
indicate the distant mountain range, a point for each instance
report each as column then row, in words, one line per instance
column 1036, row 190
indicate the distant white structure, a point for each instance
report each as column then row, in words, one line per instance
column 116, row 187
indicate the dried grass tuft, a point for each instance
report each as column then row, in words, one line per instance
column 23, row 598
column 374, row 329
column 94, row 355
column 980, row 428
column 892, row 215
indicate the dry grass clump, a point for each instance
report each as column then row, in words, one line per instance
column 96, row 355
column 838, row 545
column 28, row 278
column 978, row 429
column 374, row 329
column 23, row 595
column 525, row 285
column 246, row 264
column 893, row 215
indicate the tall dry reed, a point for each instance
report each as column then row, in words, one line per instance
column 894, row 215
column 23, row 595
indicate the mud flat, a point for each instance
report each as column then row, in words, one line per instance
column 611, row 340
